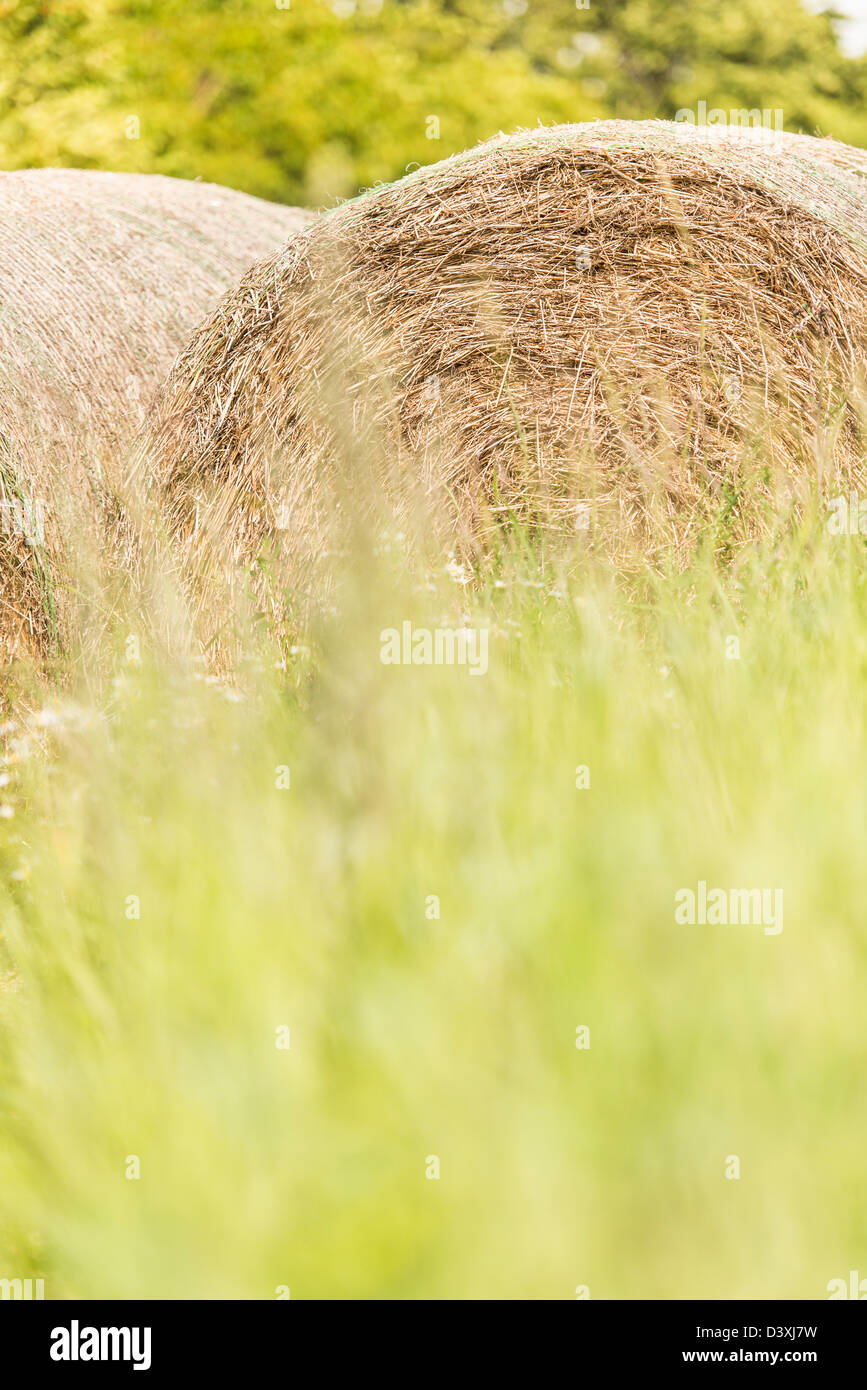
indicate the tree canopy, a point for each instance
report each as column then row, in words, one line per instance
column 309, row 100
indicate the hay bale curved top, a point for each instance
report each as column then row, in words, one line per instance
column 102, row 277
column 617, row 311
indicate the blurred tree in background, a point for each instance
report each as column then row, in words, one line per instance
column 308, row 100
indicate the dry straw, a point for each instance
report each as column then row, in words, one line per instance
column 102, row 277
column 632, row 329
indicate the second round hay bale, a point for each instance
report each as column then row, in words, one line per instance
column 645, row 322
column 102, row 277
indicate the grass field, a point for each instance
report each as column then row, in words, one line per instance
column 422, row 1023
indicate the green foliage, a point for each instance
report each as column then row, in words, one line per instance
column 312, row 102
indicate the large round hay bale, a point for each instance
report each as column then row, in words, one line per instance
column 634, row 327
column 102, row 278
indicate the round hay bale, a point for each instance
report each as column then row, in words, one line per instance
column 633, row 328
column 102, row 278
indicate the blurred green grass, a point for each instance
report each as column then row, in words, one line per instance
column 263, row 908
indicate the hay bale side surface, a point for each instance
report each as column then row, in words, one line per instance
column 615, row 311
column 102, row 278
